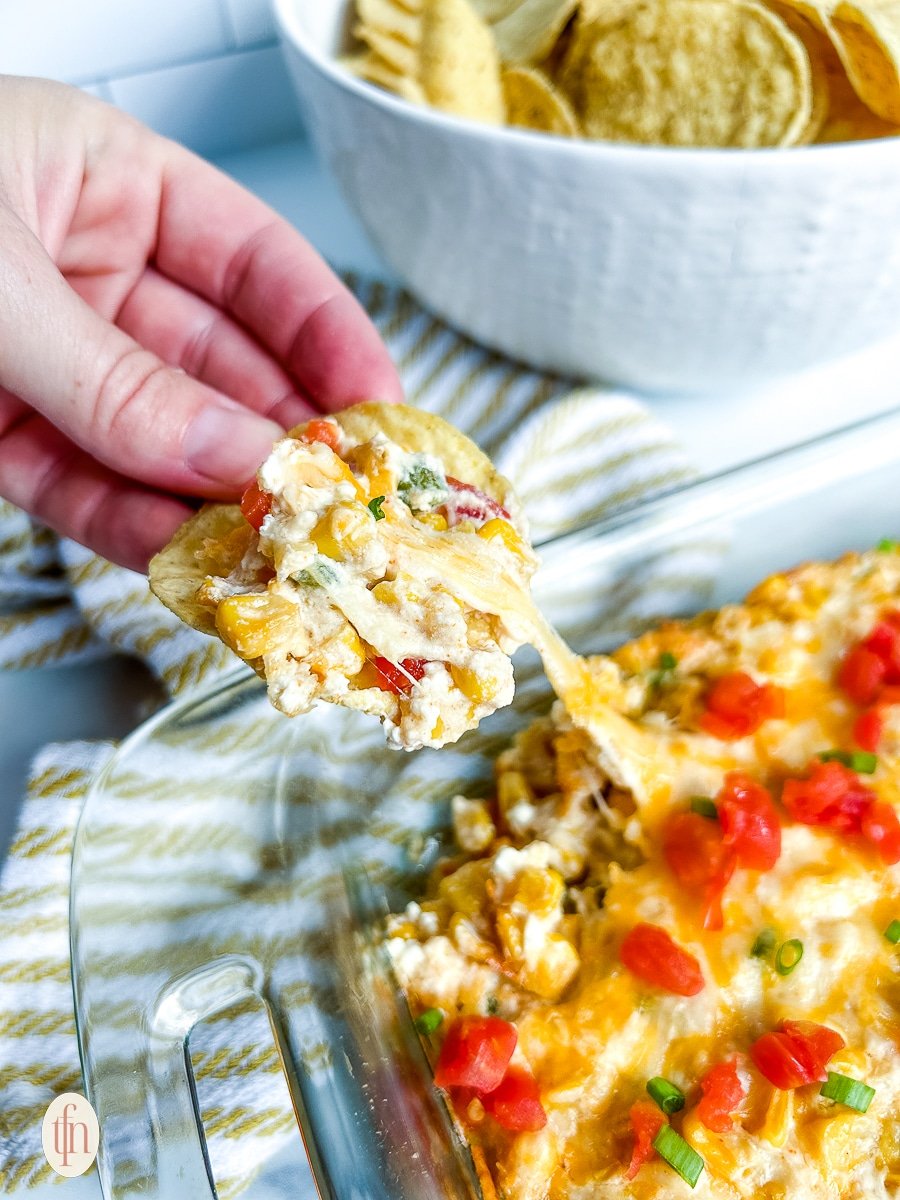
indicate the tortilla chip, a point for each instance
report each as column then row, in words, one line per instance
column 532, row 102
column 214, row 541
column 460, row 67
column 529, row 31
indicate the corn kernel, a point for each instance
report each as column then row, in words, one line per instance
column 712, row 1147
column 342, row 530
column 472, row 825
column 465, row 888
column 512, row 789
column 538, row 891
column 498, row 528
column 433, row 520
column 255, row 624
column 478, row 688
column 467, row 940
column 555, row 969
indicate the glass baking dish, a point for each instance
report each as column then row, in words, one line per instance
column 231, row 866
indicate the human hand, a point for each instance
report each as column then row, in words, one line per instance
column 159, row 326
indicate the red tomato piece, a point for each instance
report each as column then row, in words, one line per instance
column 697, row 856
column 320, row 430
column 646, row 1122
column 475, row 1053
column 884, row 640
column 723, row 1092
column 399, row 678
column 861, row 675
column 516, row 1102
column 867, row 729
column 256, row 505
column 736, row 705
column 651, row 954
column 749, row 822
column 470, row 503
column 796, row 1054
column 833, row 795
column 880, row 826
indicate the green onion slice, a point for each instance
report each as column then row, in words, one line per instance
column 705, row 807
column 669, row 1097
column 892, row 933
column 887, row 546
column 429, row 1021
column 667, row 661
column 847, row 1091
column 789, row 954
column 374, row 507
column 861, row 761
column 764, row 944
column 681, row 1157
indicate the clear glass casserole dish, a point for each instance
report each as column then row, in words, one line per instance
column 231, row 866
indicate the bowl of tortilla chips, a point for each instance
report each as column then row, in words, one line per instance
column 676, row 195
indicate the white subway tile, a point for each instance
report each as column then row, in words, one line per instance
column 97, row 87
column 253, row 21
column 223, row 104
column 81, row 41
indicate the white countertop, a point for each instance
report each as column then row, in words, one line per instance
column 108, row 698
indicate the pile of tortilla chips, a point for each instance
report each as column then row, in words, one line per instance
column 736, row 73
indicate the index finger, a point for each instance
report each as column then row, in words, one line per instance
column 227, row 245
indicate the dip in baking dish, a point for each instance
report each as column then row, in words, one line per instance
column 667, row 952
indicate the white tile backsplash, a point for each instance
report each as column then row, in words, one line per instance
column 231, row 102
column 91, row 39
column 252, row 21
column 208, row 73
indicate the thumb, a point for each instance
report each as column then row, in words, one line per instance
column 120, row 403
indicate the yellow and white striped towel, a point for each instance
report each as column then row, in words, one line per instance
column 575, row 453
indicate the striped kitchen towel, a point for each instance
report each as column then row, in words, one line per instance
column 576, row 454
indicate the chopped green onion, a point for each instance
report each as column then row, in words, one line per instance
column 492, row 1005
column 429, row 1021
column 789, row 954
column 892, row 933
column 374, row 507
column 669, row 1097
column 667, row 661
column 420, row 478
column 318, row 574
column 847, row 1091
column 860, row 761
column 705, row 807
column 764, row 944
column 681, row 1157
column 887, row 546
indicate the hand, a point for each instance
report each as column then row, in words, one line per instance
column 159, row 326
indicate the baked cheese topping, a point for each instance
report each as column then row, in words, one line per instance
column 667, row 953
column 372, row 578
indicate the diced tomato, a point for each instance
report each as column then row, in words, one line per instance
column 868, row 728
column 796, row 1054
column 881, row 827
column 697, row 856
column 723, row 1092
column 516, row 1102
column 320, row 430
column 861, row 675
column 651, row 954
column 646, row 1122
column 833, row 795
column 749, row 822
column 884, row 640
column 475, row 1053
column 470, row 503
column 737, row 705
column 399, row 678
column 256, row 505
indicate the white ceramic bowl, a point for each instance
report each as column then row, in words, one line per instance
column 663, row 269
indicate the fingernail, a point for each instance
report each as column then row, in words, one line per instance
column 228, row 444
